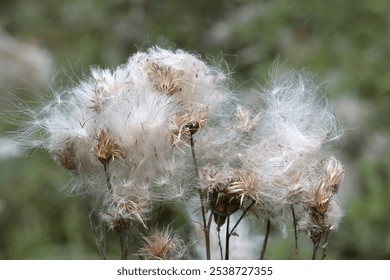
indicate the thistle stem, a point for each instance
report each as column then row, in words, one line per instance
column 315, row 248
column 229, row 233
column 98, row 233
column 325, row 245
column 194, row 156
column 124, row 243
column 219, row 242
column 241, row 217
column 295, row 230
column 265, row 240
column 227, row 238
column 108, row 179
column 206, row 226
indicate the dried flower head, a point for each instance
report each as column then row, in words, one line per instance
column 227, row 189
column 333, row 173
column 126, row 204
column 165, row 79
column 244, row 121
column 244, row 185
column 322, row 212
column 185, row 125
column 162, row 245
column 67, row 158
column 328, row 186
column 106, row 148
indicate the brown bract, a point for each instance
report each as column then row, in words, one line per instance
column 244, row 184
column 106, row 148
column 186, row 124
column 328, row 186
column 66, row 157
column 159, row 246
column 165, row 79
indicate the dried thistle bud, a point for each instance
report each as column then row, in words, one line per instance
column 66, row 157
column 328, row 186
column 106, row 148
column 224, row 206
column 165, row 79
column 186, row 124
column 334, row 173
column 162, row 245
column 225, row 197
column 321, row 199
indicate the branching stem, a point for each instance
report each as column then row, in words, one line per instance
column 229, row 232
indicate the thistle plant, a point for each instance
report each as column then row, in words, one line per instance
column 167, row 127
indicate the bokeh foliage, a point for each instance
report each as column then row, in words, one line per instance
column 346, row 42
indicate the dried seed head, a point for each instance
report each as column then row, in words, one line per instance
column 115, row 222
column 186, row 124
column 96, row 102
column 244, row 184
column 328, row 186
column 215, row 179
column 244, row 122
column 226, row 190
column 165, row 79
column 126, row 204
column 106, row 148
column 223, row 205
column 162, row 245
column 334, row 173
column 66, row 157
column 321, row 199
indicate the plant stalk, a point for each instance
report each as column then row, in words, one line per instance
column 98, row 233
column 295, row 230
column 265, row 240
column 206, row 227
column 124, row 243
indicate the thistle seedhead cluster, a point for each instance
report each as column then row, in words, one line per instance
column 121, row 125
column 272, row 155
column 166, row 121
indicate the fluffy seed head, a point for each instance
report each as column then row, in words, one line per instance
column 186, row 124
column 244, row 184
column 328, row 186
column 126, row 203
column 106, row 148
column 165, row 79
column 162, row 245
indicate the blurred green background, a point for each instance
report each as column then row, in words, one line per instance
column 345, row 42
